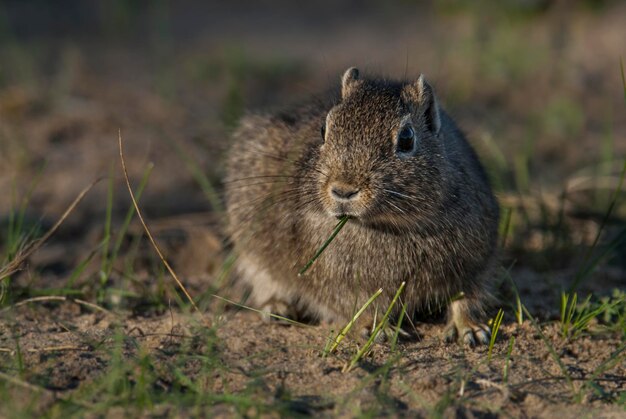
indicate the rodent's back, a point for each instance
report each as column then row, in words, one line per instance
column 469, row 172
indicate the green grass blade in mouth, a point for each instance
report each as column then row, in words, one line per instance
column 342, row 222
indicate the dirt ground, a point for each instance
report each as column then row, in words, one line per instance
column 538, row 92
column 424, row 378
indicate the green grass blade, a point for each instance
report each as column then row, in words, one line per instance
column 581, row 312
column 336, row 231
column 80, row 268
column 398, row 327
column 348, row 326
column 519, row 314
column 564, row 300
column 267, row 313
column 494, row 332
column 571, row 311
column 505, row 225
column 377, row 330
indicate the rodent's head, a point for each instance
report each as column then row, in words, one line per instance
column 382, row 160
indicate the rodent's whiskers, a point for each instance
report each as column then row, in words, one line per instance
column 296, row 163
column 271, row 198
column 305, row 203
column 398, row 194
column 277, row 181
column 424, row 203
column 267, row 177
column 395, row 206
column 261, row 204
column 260, row 211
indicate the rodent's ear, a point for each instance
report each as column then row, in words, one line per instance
column 349, row 81
column 423, row 95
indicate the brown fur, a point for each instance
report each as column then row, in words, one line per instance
column 427, row 217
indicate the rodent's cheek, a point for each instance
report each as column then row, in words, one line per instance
column 324, row 198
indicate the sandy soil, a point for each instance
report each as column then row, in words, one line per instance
column 271, row 360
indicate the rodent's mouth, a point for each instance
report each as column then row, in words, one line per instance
column 340, row 216
column 340, row 213
column 382, row 224
column 340, row 210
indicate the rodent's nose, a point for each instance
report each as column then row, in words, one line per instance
column 343, row 192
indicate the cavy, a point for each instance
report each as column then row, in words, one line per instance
column 419, row 204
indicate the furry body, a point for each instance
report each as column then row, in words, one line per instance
column 426, row 216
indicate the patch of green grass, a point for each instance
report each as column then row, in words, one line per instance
column 379, row 327
column 589, row 383
column 139, row 381
column 576, row 318
column 334, row 343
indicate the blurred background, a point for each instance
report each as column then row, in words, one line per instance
column 535, row 84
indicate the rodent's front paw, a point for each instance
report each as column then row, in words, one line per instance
column 461, row 326
column 275, row 309
column 471, row 333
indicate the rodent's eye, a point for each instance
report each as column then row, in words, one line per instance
column 406, row 140
column 323, row 130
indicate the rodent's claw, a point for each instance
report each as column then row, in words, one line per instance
column 450, row 334
column 479, row 333
column 461, row 326
column 471, row 334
